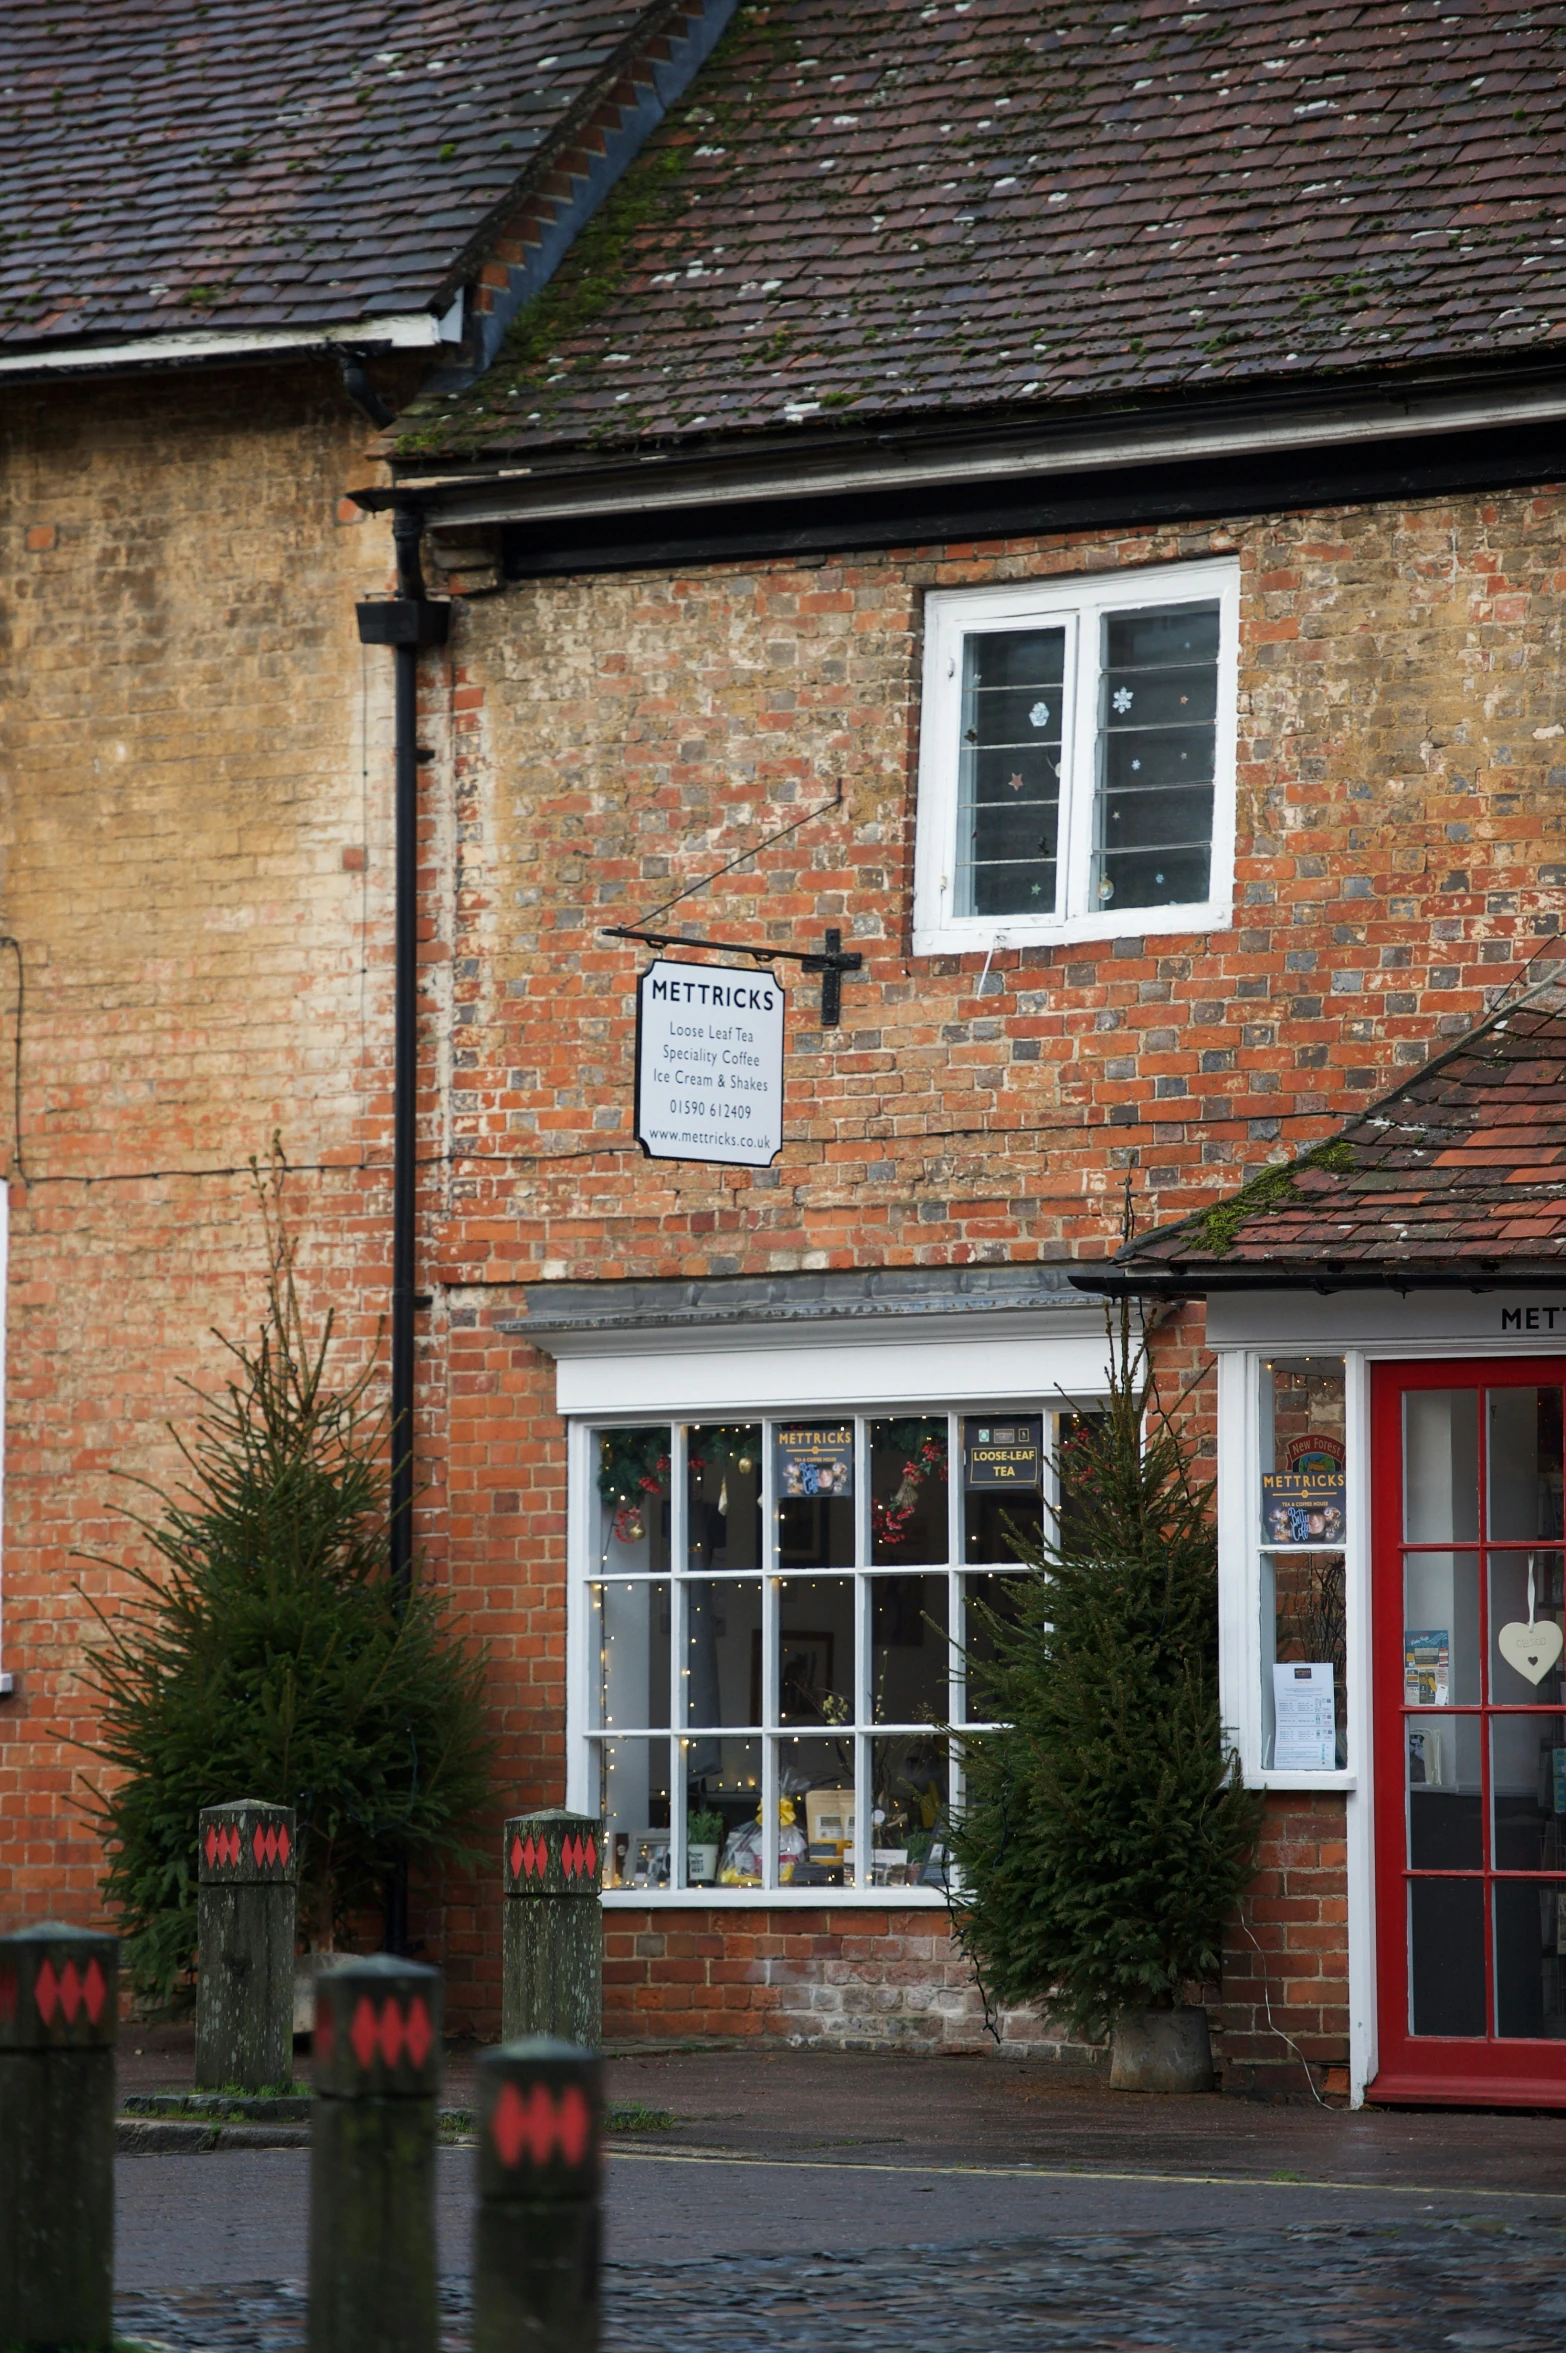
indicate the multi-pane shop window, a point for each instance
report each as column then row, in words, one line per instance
column 779, row 1611
column 1077, row 771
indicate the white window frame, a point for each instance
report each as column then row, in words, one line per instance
column 1079, row 604
column 585, row 1737
column 1244, row 1662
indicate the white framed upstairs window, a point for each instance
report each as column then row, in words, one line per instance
column 1077, row 766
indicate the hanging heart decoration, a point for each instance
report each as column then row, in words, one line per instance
column 1532, row 1650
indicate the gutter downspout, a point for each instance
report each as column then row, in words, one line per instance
column 407, row 622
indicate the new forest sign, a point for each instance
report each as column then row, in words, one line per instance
column 709, row 1064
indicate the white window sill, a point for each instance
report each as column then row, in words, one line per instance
column 976, row 934
column 769, row 1899
column 1301, row 1782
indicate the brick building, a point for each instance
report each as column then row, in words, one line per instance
column 1075, row 510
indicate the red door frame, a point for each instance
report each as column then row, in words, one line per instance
column 1514, row 2072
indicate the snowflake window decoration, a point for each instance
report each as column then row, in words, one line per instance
column 1122, row 699
column 1039, row 715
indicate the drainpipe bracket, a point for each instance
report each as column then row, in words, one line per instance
column 403, row 620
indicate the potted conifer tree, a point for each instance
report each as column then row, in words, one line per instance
column 1106, row 1834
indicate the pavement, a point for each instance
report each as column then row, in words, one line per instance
column 823, row 2200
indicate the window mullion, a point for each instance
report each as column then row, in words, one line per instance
column 864, row 1714
column 1080, row 781
column 679, row 1713
column 769, row 1736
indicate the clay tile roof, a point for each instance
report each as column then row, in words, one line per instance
column 177, row 164
column 1461, row 1173
column 872, row 210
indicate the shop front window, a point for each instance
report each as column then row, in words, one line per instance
column 1302, row 1528
column 778, row 1614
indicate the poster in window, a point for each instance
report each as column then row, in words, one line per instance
column 1004, row 1454
column 1303, row 1701
column 1303, row 1503
column 1427, row 1666
column 815, row 1460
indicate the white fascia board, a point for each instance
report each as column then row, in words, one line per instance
column 422, row 330
column 448, row 500
column 913, row 1367
column 1481, row 1322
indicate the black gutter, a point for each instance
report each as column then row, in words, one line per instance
column 407, row 622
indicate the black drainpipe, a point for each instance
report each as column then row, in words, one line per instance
column 407, row 622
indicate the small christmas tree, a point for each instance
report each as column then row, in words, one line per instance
column 269, row 1656
column 1106, row 1834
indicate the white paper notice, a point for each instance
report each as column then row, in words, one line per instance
column 709, row 1064
column 1306, row 1738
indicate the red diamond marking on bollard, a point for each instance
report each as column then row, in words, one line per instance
column 391, row 2034
column 212, row 1844
column 46, row 1990
column 363, row 2034
column 284, row 1843
column 7, row 1995
column 419, row 2032
column 575, row 2126
column 70, row 1992
column 508, row 2125
column 325, row 2033
column 516, row 1856
column 592, row 1855
column 258, row 1846
column 540, row 2125
column 231, row 1844
column 571, row 1857
column 94, row 1990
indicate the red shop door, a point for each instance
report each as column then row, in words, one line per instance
column 1470, row 1731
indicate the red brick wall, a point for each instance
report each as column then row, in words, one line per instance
column 1285, row 1979
column 848, row 1977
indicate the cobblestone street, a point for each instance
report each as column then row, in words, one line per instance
column 803, row 2202
column 1378, row 2288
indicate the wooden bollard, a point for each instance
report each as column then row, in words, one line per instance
column 536, row 2236
column 372, row 2158
column 552, row 1935
column 246, row 1903
column 59, row 2003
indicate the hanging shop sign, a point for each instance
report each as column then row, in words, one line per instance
column 1004, row 1454
column 709, row 1065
